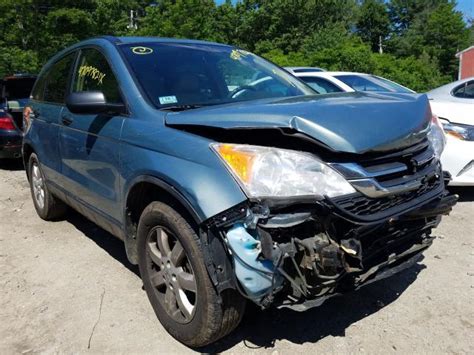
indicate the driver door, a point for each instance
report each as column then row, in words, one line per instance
column 89, row 143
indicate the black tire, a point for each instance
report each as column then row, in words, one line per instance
column 51, row 208
column 214, row 315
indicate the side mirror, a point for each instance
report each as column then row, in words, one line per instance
column 91, row 102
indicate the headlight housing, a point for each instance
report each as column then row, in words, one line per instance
column 459, row 131
column 273, row 172
column 436, row 136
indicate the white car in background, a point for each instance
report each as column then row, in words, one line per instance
column 296, row 70
column 454, row 105
column 326, row 82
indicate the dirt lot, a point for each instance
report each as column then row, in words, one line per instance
column 67, row 287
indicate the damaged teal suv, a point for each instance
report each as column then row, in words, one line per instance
column 228, row 179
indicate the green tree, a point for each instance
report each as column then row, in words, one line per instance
column 63, row 27
column 193, row 19
column 373, row 22
column 286, row 23
column 419, row 74
column 404, row 13
column 445, row 35
column 471, row 30
column 17, row 60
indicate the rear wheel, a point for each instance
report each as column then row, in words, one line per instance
column 177, row 283
column 47, row 206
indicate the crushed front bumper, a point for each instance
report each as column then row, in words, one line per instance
column 299, row 253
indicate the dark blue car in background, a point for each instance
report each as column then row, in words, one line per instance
column 14, row 94
column 228, row 179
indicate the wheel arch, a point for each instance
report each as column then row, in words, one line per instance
column 141, row 192
column 27, row 150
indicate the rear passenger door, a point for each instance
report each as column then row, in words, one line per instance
column 89, row 143
column 48, row 97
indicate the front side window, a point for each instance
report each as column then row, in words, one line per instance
column 55, row 83
column 321, row 85
column 465, row 91
column 93, row 73
column 181, row 74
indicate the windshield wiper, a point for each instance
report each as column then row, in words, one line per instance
column 176, row 108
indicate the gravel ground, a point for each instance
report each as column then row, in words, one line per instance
column 67, row 287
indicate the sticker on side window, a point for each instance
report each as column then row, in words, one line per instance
column 168, row 100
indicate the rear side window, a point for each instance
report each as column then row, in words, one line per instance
column 18, row 88
column 38, row 89
column 371, row 83
column 322, row 86
column 465, row 91
column 93, row 73
column 55, row 85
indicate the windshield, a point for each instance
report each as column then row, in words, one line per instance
column 371, row 83
column 189, row 74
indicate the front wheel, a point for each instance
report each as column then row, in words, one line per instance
column 177, row 283
column 48, row 206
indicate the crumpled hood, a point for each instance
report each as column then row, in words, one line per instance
column 347, row 122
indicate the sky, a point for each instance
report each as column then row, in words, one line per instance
column 465, row 6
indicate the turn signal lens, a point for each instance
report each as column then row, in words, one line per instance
column 240, row 161
column 274, row 172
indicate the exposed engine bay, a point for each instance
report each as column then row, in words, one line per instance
column 299, row 252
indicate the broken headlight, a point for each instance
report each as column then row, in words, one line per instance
column 267, row 172
column 436, row 136
column 459, row 131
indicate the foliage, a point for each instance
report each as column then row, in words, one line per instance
column 373, row 22
column 420, row 37
column 16, row 60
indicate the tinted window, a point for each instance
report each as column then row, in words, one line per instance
column 321, row 85
column 371, row 83
column 57, row 80
column 18, row 88
column 38, row 89
column 205, row 74
column 93, row 73
column 465, row 91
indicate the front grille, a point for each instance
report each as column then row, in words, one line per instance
column 362, row 205
column 393, row 240
column 414, row 164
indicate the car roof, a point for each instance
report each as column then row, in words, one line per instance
column 307, row 69
column 137, row 39
column 116, row 41
column 332, row 73
column 446, row 89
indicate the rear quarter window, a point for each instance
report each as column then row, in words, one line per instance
column 464, row 91
column 55, row 86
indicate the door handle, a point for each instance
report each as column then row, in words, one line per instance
column 66, row 120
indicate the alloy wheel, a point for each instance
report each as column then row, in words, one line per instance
column 38, row 185
column 171, row 274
